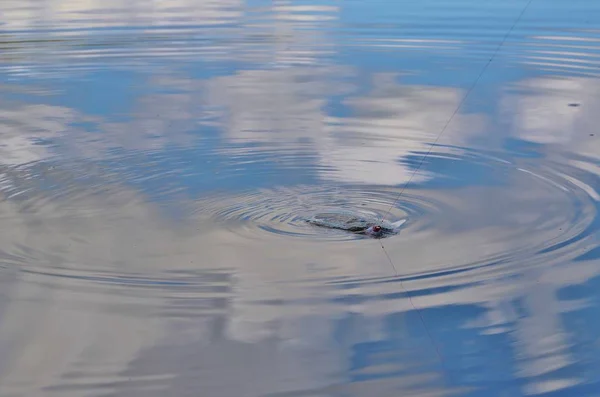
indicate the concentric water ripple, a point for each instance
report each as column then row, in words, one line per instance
column 532, row 214
column 285, row 211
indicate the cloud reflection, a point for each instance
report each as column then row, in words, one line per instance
column 553, row 110
column 100, row 286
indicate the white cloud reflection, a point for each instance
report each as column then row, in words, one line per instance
column 67, row 298
column 88, row 14
column 553, row 110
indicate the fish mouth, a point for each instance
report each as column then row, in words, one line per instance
column 379, row 233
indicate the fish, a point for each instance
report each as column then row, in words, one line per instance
column 356, row 223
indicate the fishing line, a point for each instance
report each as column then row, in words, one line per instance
column 459, row 106
column 421, row 163
column 435, row 346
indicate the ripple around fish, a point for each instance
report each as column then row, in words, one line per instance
column 546, row 235
column 546, row 215
column 285, row 211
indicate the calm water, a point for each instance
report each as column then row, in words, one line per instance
column 158, row 160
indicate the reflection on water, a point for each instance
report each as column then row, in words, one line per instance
column 157, row 161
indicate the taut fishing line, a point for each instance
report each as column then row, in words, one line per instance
column 429, row 152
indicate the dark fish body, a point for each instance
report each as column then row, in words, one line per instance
column 353, row 222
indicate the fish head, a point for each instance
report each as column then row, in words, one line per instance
column 374, row 230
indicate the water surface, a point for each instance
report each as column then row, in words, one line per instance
column 157, row 160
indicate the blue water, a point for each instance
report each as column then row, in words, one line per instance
column 158, row 161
